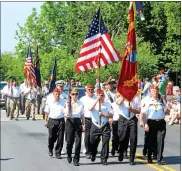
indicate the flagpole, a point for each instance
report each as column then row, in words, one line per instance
column 99, row 61
column 131, row 6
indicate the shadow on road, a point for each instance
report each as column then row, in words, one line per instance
column 171, row 160
column 5, row 159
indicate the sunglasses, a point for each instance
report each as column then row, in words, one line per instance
column 74, row 94
column 101, row 95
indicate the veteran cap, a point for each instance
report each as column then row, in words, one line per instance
column 46, row 82
column 99, row 91
column 60, row 83
column 112, row 81
column 89, row 86
column 56, row 90
column 74, row 90
column 153, row 87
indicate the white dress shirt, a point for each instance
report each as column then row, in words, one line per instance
column 154, row 110
column 50, row 97
column 77, row 109
column 31, row 95
column 6, row 90
column 16, row 91
column 23, row 87
column 123, row 108
column 105, row 108
column 112, row 94
column 86, row 100
column 55, row 109
column 115, row 112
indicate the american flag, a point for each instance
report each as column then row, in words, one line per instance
column 29, row 67
column 97, row 45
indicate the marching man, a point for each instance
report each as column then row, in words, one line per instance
column 97, row 131
column 75, row 121
column 155, row 124
column 54, row 121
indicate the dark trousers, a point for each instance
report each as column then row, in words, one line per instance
column 128, row 130
column 95, row 134
column 145, row 148
column 22, row 103
column 73, row 131
column 115, row 138
column 88, row 124
column 56, row 129
column 156, row 136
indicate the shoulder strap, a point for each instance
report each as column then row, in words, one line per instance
column 109, row 96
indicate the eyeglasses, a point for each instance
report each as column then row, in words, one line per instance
column 101, row 95
column 90, row 89
column 74, row 94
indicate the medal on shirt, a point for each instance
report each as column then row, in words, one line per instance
column 155, row 105
column 74, row 107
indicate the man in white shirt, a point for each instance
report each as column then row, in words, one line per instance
column 60, row 85
column 14, row 100
column 7, row 93
column 23, row 99
column 75, row 122
column 101, row 111
column 54, row 121
column 86, row 100
column 110, row 95
column 127, row 126
column 45, row 92
column 30, row 94
column 111, row 91
column 155, row 125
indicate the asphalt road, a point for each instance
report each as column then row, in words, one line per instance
column 24, row 148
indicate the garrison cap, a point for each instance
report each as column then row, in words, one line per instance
column 60, row 83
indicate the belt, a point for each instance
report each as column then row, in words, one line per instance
column 74, row 118
column 30, row 99
column 122, row 117
column 156, row 119
column 59, row 119
column 102, row 123
column 16, row 98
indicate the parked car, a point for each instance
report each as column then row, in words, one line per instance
column 2, row 98
column 81, row 91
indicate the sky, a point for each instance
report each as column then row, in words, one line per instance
column 11, row 14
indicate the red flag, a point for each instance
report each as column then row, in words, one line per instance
column 97, row 44
column 128, row 79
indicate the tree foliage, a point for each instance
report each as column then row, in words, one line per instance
column 61, row 27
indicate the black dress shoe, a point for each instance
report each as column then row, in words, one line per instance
column 120, row 157
column 104, row 162
column 150, row 161
column 160, row 163
column 76, row 163
column 154, row 156
column 132, row 163
column 144, row 153
column 112, row 152
column 88, row 156
column 125, row 156
column 92, row 158
column 69, row 158
column 50, row 153
column 58, row 156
